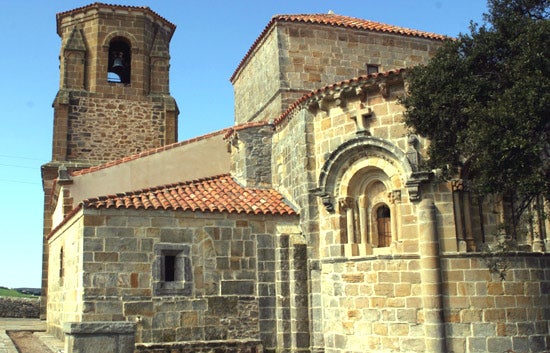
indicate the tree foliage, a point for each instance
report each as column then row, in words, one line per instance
column 483, row 101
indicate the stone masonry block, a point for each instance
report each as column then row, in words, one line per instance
column 499, row 344
column 237, row 287
column 96, row 337
column 138, row 308
column 222, row 306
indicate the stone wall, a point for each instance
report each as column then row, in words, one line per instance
column 262, row 77
column 316, row 55
column 65, row 276
column 19, row 307
column 372, row 305
column 222, row 256
column 486, row 314
column 251, row 156
column 294, row 58
column 383, row 305
column 101, row 129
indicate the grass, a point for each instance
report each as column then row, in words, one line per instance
column 5, row 292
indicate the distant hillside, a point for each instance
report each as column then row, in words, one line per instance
column 19, row 292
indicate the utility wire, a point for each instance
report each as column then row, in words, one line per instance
column 19, row 157
column 18, row 181
column 17, row 166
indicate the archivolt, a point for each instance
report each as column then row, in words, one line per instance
column 348, row 153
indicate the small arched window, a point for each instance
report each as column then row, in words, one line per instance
column 119, row 65
column 383, row 223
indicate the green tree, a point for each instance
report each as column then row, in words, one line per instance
column 483, row 102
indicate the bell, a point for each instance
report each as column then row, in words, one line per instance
column 117, row 62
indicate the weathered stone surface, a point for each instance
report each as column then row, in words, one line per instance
column 96, row 337
column 107, row 327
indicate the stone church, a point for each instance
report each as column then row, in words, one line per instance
column 308, row 226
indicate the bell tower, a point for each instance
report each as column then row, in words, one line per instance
column 114, row 98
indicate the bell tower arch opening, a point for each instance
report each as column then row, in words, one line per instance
column 119, row 61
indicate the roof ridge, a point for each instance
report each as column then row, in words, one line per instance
column 148, row 152
column 336, row 21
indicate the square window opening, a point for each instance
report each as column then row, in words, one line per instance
column 372, row 69
column 172, row 274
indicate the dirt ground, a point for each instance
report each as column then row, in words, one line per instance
column 26, row 342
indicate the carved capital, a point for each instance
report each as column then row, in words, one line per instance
column 394, row 196
column 459, row 185
column 345, row 203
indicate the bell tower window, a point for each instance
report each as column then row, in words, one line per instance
column 120, row 59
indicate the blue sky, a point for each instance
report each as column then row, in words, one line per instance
column 211, row 38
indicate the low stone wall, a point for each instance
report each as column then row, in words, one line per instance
column 19, row 307
column 226, row 346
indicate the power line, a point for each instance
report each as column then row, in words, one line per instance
column 17, row 166
column 18, row 181
column 20, row 157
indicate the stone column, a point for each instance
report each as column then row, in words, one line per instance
column 430, row 276
column 99, row 337
column 299, row 310
column 363, row 220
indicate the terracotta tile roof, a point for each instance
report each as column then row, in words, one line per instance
column 98, row 5
column 149, row 152
column 336, row 21
column 335, row 86
column 215, row 194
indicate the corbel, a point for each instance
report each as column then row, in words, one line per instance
column 384, row 89
column 327, row 202
column 324, row 103
column 339, row 100
column 63, row 176
column 414, row 182
column 233, row 141
column 362, row 93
